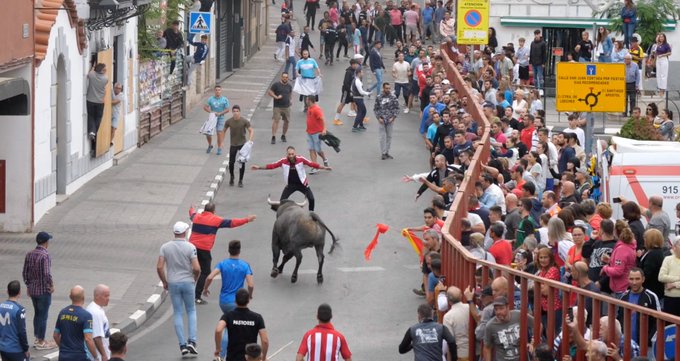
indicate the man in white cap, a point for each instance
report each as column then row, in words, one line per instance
column 183, row 269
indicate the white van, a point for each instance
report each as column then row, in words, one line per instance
column 637, row 170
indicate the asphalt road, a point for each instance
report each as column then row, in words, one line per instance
column 372, row 301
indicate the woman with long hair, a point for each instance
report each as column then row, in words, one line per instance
column 651, row 113
column 559, row 240
column 633, row 215
column 622, row 259
column 544, row 155
column 547, row 268
column 603, row 45
column 651, row 261
column 535, row 168
column 669, row 274
column 505, row 87
column 619, row 52
column 662, row 53
column 493, row 41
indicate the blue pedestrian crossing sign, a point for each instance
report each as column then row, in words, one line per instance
column 199, row 22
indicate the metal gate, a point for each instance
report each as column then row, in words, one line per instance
column 224, row 64
column 565, row 38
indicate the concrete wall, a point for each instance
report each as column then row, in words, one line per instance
column 15, row 148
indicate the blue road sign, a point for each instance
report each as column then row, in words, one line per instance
column 199, row 22
column 591, row 70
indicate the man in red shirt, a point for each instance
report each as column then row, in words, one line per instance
column 500, row 249
column 527, row 134
column 203, row 232
column 323, row 340
column 316, row 126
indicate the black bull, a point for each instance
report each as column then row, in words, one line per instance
column 295, row 229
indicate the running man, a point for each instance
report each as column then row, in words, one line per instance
column 219, row 105
column 237, row 138
column 316, row 127
column 294, row 173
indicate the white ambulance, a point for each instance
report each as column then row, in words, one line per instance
column 637, row 170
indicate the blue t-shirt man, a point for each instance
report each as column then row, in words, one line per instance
column 307, row 67
column 428, row 15
column 13, row 339
column 73, row 322
column 218, row 104
column 234, row 272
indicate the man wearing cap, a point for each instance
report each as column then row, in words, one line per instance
column 502, row 333
column 37, row 276
column 179, row 258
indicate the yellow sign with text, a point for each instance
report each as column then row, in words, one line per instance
column 591, row 87
column 473, row 22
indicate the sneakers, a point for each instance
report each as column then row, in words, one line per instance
column 313, row 171
column 210, row 147
column 337, row 122
column 384, row 156
column 406, row 110
column 200, row 301
column 351, row 113
column 361, row 127
column 325, row 162
column 44, row 345
column 389, row 156
column 283, row 138
column 191, row 346
column 355, row 129
column 240, row 184
column 418, row 292
column 184, row 350
column 231, row 181
column 273, row 139
column 219, row 151
column 366, row 120
column 91, row 135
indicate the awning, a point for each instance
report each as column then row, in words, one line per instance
column 556, row 22
column 11, row 87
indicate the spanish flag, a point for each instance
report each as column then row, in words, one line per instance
column 415, row 242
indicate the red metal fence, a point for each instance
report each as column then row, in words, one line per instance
column 459, row 266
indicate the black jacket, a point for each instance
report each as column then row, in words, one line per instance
column 305, row 42
column 349, row 79
column 376, row 60
column 648, row 299
column 433, row 177
column 538, row 52
column 650, row 263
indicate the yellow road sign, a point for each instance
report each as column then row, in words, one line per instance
column 591, row 87
column 473, row 22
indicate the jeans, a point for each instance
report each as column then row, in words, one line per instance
column 378, row 81
column 385, row 132
column 41, row 305
column 433, row 34
column 604, row 59
column 95, row 111
column 538, row 76
column 402, row 88
column 13, row 356
column 226, row 307
column 182, row 296
column 204, row 259
column 288, row 190
column 628, row 30
column 361, row 113
column 290, row 62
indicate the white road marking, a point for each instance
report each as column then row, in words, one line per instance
column 279, row 350
column 412, row 266
column 360, row 269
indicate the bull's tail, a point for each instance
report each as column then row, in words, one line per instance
column 317, row 219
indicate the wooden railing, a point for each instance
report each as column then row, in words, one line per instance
column 458, row 266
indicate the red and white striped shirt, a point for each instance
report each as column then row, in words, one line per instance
column 324, row 343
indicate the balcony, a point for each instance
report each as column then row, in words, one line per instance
column 107, row 13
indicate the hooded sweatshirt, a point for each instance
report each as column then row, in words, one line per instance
column 623, row 258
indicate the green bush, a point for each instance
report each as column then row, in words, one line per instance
column 639, row 129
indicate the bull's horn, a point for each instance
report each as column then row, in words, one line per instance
column 271, row 202
column 303, row 204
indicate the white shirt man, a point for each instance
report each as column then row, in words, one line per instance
column 457, row 320
column 100, row 323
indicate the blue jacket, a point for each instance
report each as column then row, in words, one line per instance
column 201, row 51
column 13, row 328
column 567, row 154
column 376, row 60
column 424, row 121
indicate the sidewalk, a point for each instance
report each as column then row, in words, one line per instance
column 111, row 230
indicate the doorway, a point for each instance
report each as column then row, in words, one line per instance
column 565, row 38
column 62, row 130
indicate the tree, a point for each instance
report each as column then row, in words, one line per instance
column 652, row 16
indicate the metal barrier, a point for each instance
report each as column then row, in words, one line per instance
column 458, row 266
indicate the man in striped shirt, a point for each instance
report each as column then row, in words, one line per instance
column 38, row 278
column 323, row 342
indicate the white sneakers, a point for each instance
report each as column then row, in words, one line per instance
column 351, row 114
